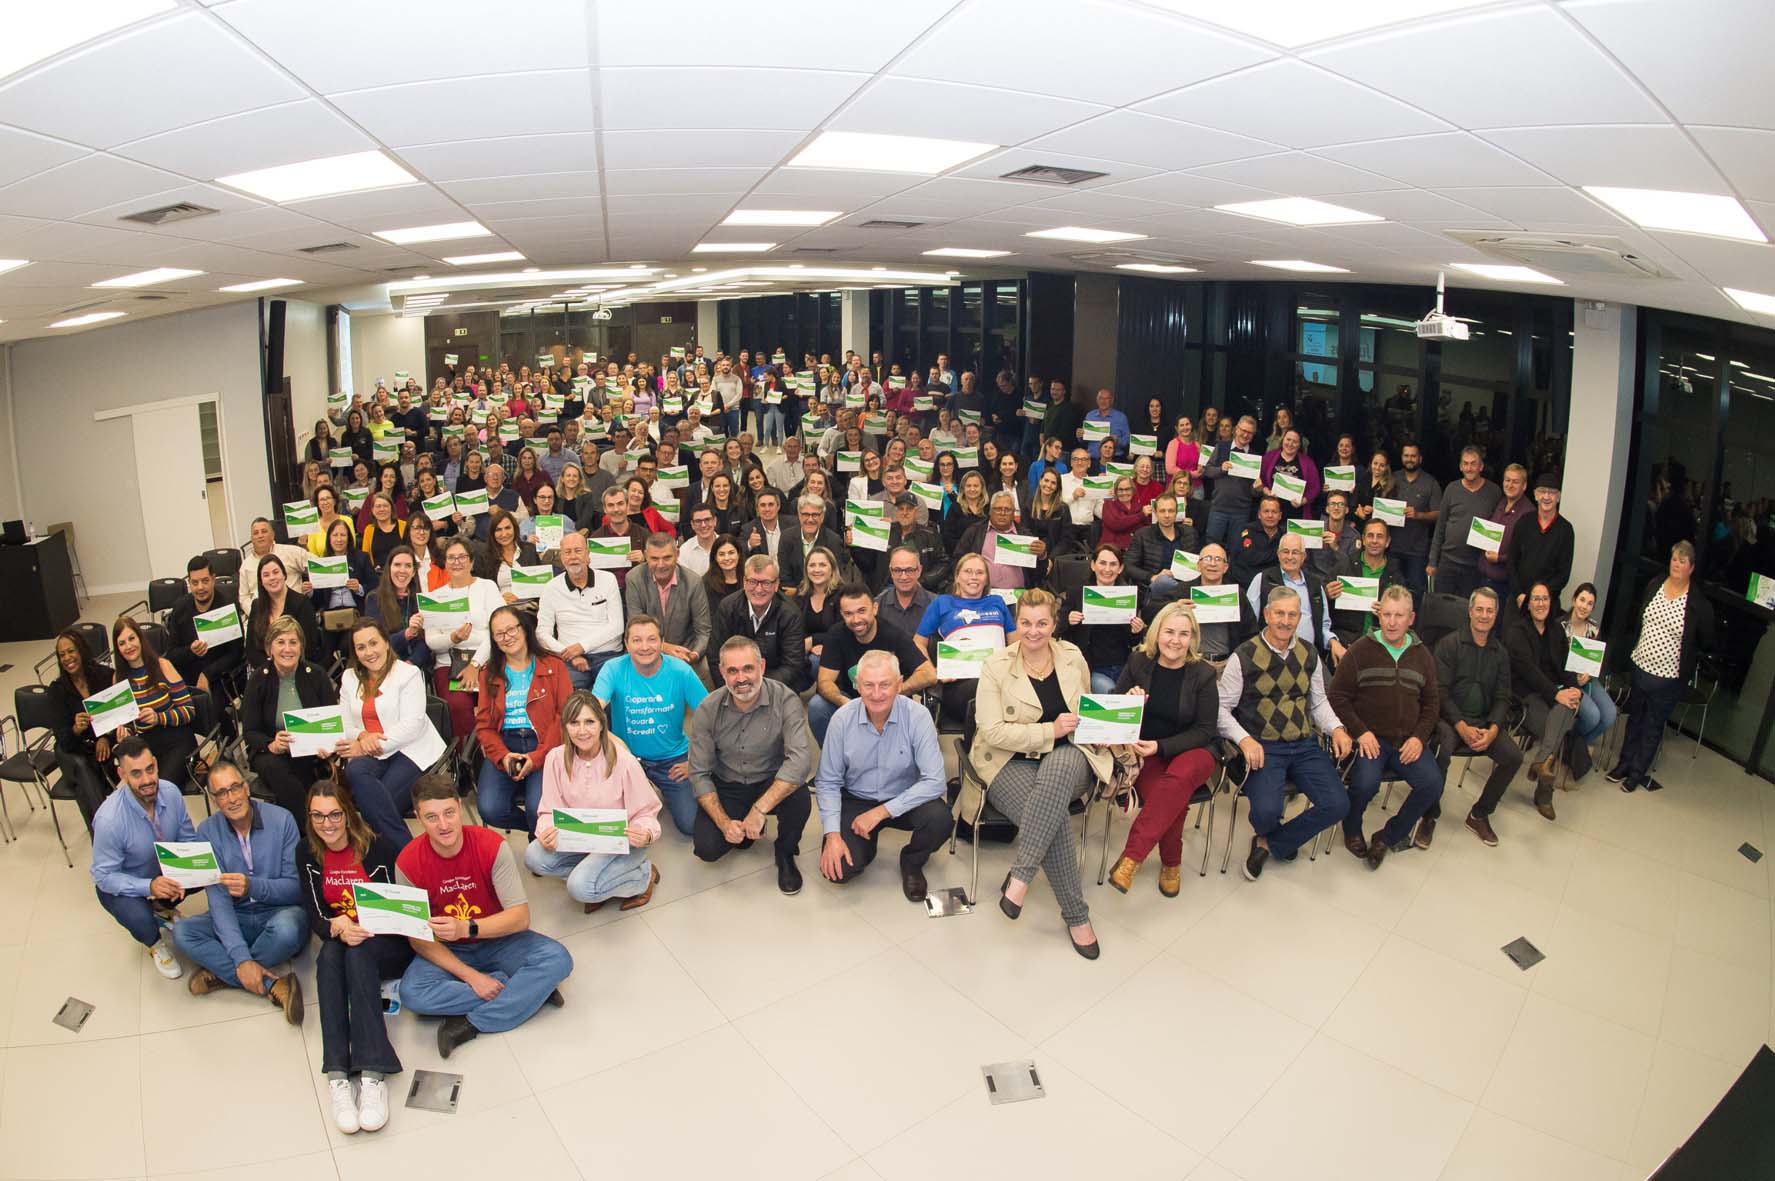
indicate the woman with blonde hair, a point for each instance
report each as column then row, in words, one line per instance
column 1176, row 735
column 1032, row 770
column 591, row 768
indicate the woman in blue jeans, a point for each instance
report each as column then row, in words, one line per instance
column 1675, row 627
column 389, row 740
column 1596, row 709
column 517, row 719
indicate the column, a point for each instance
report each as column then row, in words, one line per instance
column 853, row 323
column 1597, row 437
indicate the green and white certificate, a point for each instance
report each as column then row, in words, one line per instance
column 314, row 731
column 1109, row 604
column 1106, row 718
column 192, row 864
column 386, row 908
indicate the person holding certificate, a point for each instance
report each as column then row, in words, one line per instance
column 326, row 503
column 1272, row 699
column 1370, row 564
column 1177, row 729
column 1103, row 618
column 1548, row 691
column 1454, row 556
column 340, row 579
column 1028, row 765
column 1229, row 507
column 591, row 770
column 456, row 631
column 165, row 711
column 144, row 809
column 970, row 619
column 79, row 752
column 1291, row 571
column 1596, row 710
column 517, row 720
column 389, row 740
column 205, row 649
column 1299, row 487
column 1012, row 558
column 288, row 681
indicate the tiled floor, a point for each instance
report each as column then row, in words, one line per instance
column 1324, row 1022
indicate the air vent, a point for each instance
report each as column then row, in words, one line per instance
column 155, row 298
column 882, row 223
column 183, row 211
column 402, row 270
column 1048, row 174
column 82, row 307
column 1577, row 254
column 815, row 250
column 327, row 248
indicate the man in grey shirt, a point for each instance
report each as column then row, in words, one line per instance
column 903, row 601
column 1230, row 509
column 750, row 753
column 1453, row 563
column 1411, row 543
column 728, row 386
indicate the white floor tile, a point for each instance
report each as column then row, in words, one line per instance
column 1468, row 915
column 1330, row 1090
column 1493, row 1147
column 1075, row 1131
column 47, row 1120
column 1197, row 1057
column 104, row 972
column 1605, row 969
column 1683, row 1087
column 316, row 1166
column 1714, row 1007
column 1573, row 1076
column 1612, row 883
column 1430, row 1016
column 1726, row 923
column 747, row 1121
column 514, row 1140
column 857, row 1170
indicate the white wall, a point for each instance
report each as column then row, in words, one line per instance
column 11, row 484
column 380, row 345
column 76, row 469
column 1595, row 484
column 708, row 325
column 305, row 361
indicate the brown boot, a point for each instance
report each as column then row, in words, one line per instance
column 286, row 994
column 204, row 981
column 1170, row 880
column 1542, row 770
column 593, row 907
column 1546, row 809
column 645, row 896
column 1122, row 875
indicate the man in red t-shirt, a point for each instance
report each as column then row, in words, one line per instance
column 485, row 970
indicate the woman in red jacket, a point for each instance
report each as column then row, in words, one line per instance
column 1121, row 515
column 517, row 720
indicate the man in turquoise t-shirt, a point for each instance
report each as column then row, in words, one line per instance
column 649, row 695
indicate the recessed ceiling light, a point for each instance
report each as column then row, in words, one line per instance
column 468, row 260
column 867, row 152
column 1752, row 301
column 732, row 247
column 780, row 217
column 13, row 264
column 262, row 285
column 89, row 318
column 1299, row 211
column 1299, row 264
column 437, row 233
column 37, row 32
column 420, row 278
column 1506, row 274
column 1301, row 22
column 1155, row 268
column 149, row 278
column 326, row 177
column 965, row 252
column 531, row 270
column 1688, row 213
column 698, row 270
column 1084, row 234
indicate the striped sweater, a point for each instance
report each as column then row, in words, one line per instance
column 170, row 700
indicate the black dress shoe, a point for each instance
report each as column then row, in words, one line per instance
column 1011, row 909
column 1377, row 850
column 912, row 884
column 453, row 1032
column 1089, row 950
column 1651, row 784
column 556, row 1000
column 788, row 876
column 1254, row 861
column 1617, row 775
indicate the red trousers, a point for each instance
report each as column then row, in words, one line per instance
column 462, row 705
column 1165, row 787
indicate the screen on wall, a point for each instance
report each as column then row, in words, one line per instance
column 342, row 345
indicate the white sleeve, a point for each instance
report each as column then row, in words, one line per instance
column 410, row 719
column 351, row 705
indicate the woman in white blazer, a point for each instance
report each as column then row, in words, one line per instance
column 389, row 741
column 451, row 634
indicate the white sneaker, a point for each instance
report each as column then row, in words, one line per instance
column 344, row 1105
column 164, row 961
column 372, row 1104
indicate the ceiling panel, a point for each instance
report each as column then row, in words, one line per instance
column 647, row 97
column 908, row 106
column 208, row 196
column 1292, row 103
column 1648, row 157
column 668, row 181
column 492, row 213
column 1523, row 205
column 1150, row 140
column 1151, row 53
column 870, row 35
column 336, row 45
column 193, row 69
column 542, row 186
column 704, row 147
column 552, row 101
column 1413, row 205
column 119, row 251
column 1184, row 188
column 516, row 155
column 1725, row 262
column 91, row 182
column 1295, row 174
column 1706, row 60
column 832, row 189
column 1517, row 66
column 384, row 209
column 998, row 164
column 263, row 138
column 23, row 154
column 1746, row 156
column 1437, row 161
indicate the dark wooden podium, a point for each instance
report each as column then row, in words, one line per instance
column 37, row 587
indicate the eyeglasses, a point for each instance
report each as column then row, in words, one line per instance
column 327, row 817
column 223, row 793
column 761, row 583
column 902, row 569
column 508, row 633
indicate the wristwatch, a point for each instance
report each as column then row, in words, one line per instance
column 474, row 929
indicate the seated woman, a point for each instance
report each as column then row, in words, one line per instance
column 387, row 481
column 460, row 645
column 389, row 740
column 1105, row 645
column 1596, row 709
column 1121, row 516
column 275, row 600
column 1176, row 741
column 165, row 712
column 517, row 719
column 970, row 616
column 724, row 574
column 591, row 768
column 395, row 605
column 288, row 681
column 327, row 501
column 817, row 596
column 546, row 506
column 360, row 579
column 504, row 550
column 1028, row 708
column 80, row 756
column 1537, row 646
column 338, row 852
column 381, row 530
column 428, row 551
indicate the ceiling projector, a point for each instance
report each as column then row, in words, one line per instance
column 1437, row 325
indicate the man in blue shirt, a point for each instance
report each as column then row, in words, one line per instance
column 649, row 695
column 125, row 872
column 880, row 768
column 1107, row 413
column 255, row 916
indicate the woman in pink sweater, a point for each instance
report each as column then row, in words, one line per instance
column 593, row 769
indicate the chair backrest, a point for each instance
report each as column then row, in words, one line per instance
column 205, row 706
column 1441, row 615
column 227, row 590
column 98, row 640
column 967, row 725
column 438, row 710
column 1070, row 571
column 157, row 635
column 33, row 709
column 164, row 593
column 224, row 563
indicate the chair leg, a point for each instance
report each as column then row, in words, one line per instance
column 1109, row 816
column 54, row 816
column 1208, row 840
column 1232, row 823
column 974, row 881
column 1701, row 731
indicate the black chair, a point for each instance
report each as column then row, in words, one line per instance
column 164, row 595
column 1234, row 772
column 227, row 590
column 1441, row 614
column 207, row 726
column 157, row 635
column 224, row 563
column 1068, row 573
column 37, row 757
column 1202, row 795
column 98, row 640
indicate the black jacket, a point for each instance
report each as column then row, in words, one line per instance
column 1105, row 646
column 1199, row 703
column 781, row 638
column 1532, row 556
column 1537, row 659
column 378, row 867
column 67, row 703
column 1147, row 556
column 297, row 606
column 1461, row 664
column 1697, row 623
column 1350, row 626
column 259, row 719
column 182, row 628
column 931, row 552
column 359, row 567
column 790, row 554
